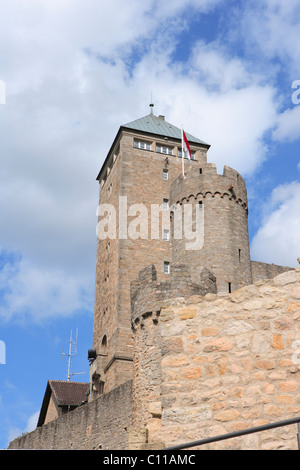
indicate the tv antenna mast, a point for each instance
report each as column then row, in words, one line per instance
column 72, row 353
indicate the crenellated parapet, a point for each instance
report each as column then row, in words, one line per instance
column 200, row 183
column 149, row 295
column 219, row 221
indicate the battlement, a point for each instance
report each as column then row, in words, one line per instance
column 205, row 182
column 148, row 294
column 186, row 334
column 201, row 233
column 220, row 220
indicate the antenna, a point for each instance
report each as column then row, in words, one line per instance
column 151, row 105
column 72, row 353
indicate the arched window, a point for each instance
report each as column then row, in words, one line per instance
column 104, row 343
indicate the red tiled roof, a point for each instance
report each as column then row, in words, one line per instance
column 64, row 393
column 69, row 393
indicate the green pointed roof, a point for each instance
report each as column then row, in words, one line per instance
column 158, row 126
column 152, row 124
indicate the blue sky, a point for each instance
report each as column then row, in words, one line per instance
column 75, row 70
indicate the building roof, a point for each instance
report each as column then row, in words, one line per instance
column 68, row 393
column 158, row 126
column 64, row 393
column 154, row 125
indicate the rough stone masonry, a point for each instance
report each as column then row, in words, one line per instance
column 221, row 363
column 193, row 342
column 144, row 167
column 203, row 366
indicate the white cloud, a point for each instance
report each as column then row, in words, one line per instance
column 277, row 241
column 219, row 70
column 14, row 432
column 34, row 293
column 271, row 29
column 76, row 71
column 235, row 124
column 288, row 125
column 218, row 100
column 32, row 421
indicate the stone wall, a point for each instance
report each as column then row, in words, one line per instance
column 222, row 363
column 103, row 423
column 264, row 271
column 203, row 366
column 136, row 174
column 221, row 199
column 148, row 294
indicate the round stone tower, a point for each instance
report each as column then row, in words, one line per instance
column 216, row 237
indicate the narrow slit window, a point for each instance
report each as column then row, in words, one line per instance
column 200, row 171
column 165, row 204
column 240, row 251
column 101, row 387
column 165, row 175
column 104, row 341
column 166, row 267
column 166, row 235
column 229, row 287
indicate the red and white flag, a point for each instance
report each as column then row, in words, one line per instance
column 186, row 151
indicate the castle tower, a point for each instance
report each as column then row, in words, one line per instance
column 220, row 219
column 135, row 177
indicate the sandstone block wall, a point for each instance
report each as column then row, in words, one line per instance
column 103, row 423
column 203, row 366
column 222, row 363
column 137, row 174
column 148, row 294
column 107, row 277
column 224, row 208
column 264, row 271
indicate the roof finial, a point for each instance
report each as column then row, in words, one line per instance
column 151, row 105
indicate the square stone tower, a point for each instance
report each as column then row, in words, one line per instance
column 143, row 161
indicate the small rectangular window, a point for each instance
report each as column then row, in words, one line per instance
column 101, row 387
column 166, row 235
column 200, row 205
column 165, row 150
column 165, row 175
column 166, row 204
column 166, row 267
column 200, row 171
column 180, row 154
column 140, row 144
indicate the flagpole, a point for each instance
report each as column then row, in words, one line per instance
column 182, row 152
